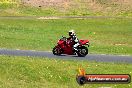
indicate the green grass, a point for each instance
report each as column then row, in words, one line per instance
column 31, row 72
column 107, row 36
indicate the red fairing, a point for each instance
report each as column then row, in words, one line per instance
column 66, row 46
column 60, row 42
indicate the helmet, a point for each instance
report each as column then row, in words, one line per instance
column 71, row 32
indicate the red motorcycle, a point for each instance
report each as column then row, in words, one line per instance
column 65, row 46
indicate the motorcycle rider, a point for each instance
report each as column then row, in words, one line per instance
column 73, row 37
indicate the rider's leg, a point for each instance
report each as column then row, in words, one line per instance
column 75, row 46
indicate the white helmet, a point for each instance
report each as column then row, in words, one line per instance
column 71, row 32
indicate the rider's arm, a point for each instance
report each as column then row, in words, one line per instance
column 75, row 39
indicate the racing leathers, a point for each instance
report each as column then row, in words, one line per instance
column 75, row 40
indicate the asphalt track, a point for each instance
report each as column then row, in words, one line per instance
column 90, row 57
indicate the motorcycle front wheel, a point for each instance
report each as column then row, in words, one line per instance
column 56, row 51
column 82, row 51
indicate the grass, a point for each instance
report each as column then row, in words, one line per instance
column 107, row 36
column 33, row 72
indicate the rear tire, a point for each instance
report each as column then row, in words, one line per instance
column 82, row 51
column 56, row 51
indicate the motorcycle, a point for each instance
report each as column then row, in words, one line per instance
column 65, row 46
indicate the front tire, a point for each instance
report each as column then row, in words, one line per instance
column 56, row 51
column 82, row 51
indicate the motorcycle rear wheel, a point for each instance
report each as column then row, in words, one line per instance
column 82, row 51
